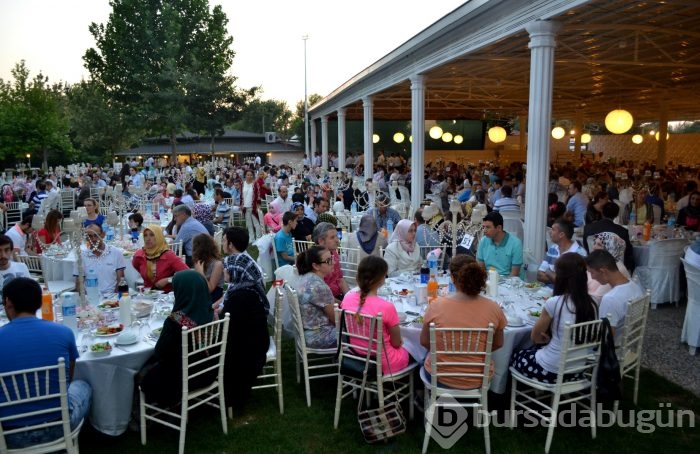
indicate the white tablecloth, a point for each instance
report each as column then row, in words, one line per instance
column 112, row 382
column 514, row 338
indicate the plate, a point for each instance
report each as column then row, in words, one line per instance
column 109, row 304
column 402, row 293
column 116, row 333
column 126, row 341
column 155, row 334
column 101, row 352
column 515, row 322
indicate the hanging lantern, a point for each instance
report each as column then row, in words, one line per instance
column 637, row 139
column 435, row 132
column 558, row 132
column 447, row 137
column 458, row 139
column 656, row 136
column 497, row 134
column 399, row 137
column 619, row 121
column 585, row 138
column 375, row 138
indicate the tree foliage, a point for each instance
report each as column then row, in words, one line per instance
column 266, row 115
column 32, row 116
column 165, row 63
column 297, row 124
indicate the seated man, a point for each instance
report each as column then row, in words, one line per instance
column 382, row 212
column 27, row 342
column 562, row 236
column 614, row 237
column 107, row 261
column 603, row 268
column 326, row 235
column 284, row 244
column 692, row 254
column 498, row 248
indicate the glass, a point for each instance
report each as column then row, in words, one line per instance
column 87, row 338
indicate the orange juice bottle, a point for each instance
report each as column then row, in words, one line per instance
column 432, row 288
column 46, row 305
column 646, row 235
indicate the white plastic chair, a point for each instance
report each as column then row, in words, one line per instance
column 514, row 225
column 310, row 360
column 661, row 274
column 469, row 348
column 424, row 250
column 32, row 386
column 36, row 269
column 575, row 358
column 691, row 323
column 274, row 253
column 176, row 247
column 13, row 214
column 370, row 331
column 271, row 376
column 630, row 352
column 349, row 258
column 300, row 246
column 203, row 351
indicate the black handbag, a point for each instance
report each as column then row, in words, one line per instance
column 609, row 382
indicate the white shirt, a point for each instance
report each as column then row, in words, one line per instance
column 19, row 239
column 248, row 194
column 106, row 266
column 16, row 269
column 615, row 303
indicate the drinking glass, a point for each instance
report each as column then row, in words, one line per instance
column 87, row 338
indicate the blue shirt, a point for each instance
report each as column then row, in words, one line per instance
column 284, row 243
column 503, row 256
column 188, row 230
column 28, row 342
column 381, row 219
column 577, row 204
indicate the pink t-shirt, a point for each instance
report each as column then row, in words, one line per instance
column 398, row 357
column 333, row 278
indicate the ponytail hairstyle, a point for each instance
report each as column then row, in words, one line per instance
column 370, row 271
column 571, row 281
column 306, row 259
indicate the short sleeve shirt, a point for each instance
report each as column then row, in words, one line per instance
column 503, row 256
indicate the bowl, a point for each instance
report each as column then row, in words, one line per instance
column 101, row 349
column 127, row 338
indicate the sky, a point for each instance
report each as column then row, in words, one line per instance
column 343, row 39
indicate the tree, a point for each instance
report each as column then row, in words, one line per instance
column 165, row 63
column 266, row 115
column 32, row 116
column 297, row 123
column 99, row 124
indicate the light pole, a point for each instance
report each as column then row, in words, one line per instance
column 306, row 107
column 29, row 160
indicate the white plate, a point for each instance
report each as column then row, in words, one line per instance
column 120, row 342
column 96, row 334
column 398, row 293
column 516, row 323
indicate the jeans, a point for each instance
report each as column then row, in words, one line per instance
column 79, row 398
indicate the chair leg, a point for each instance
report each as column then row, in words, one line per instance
column 594, row 423
column 487, row 423
column 183, row 426
column 338, row 400
column 222, row 409
column 280, row 394
column 637, row 370
column 298, row 360
column 513, row 387
column 552, row 423
column 410, row 397
column 307, row 381
column 428, row 428
column 142, row 416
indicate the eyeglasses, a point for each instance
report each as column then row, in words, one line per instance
column 328, row 261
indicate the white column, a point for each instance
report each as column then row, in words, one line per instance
column 368, row 110
column 324, row 142
column 312, row 142
column 542, row 44
column 418, row 144
column 341, row 139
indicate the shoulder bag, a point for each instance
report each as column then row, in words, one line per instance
column 609, row 381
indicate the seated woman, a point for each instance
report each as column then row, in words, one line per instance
column 555, row 208
column 207, row 260
column 594, row 211
column 273, row 217
column 367, row 238
column 50, row 233
column 315, row 297
column 93, row 213
column 570, row 303
column 689, row 216
column 464, row 309
column 245, row 301
column 155, row 262
column 403, row 254
column 161, row 378
column 371, row 272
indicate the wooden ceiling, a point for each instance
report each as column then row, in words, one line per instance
column 638, row 55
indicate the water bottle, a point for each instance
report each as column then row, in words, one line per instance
column 161, row 212
column 633, row 217
column 109, row 232
column 424, row 273
column 92, row 288
column 149, row 210
column 68, row 309
column 451, row 286
column 432, row 262
column 125, row 310
column 671, row 220
column 492, row 283
column 390, row 226
column 353, row 207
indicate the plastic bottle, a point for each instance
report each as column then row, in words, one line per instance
column 433, row 262
column 109, row 232
column 125, row 309
column 161, row 212
column 451, row 286
column 122, row 287
column 353, row 207
column 92, row 286
column 46, row 305
column 633, row 217
column 424, row 273
column 492, row 283
column 432, row 287
column 390, row 226
column 68, row 309
column 647, row 231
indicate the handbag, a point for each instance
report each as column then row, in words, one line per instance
column 380, row 423
column 609, row 381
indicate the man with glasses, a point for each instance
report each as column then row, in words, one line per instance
column 498, row 249
column 107, row 261
column 326, row 235
column 187, row 228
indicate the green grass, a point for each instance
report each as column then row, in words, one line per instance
column 301, row 429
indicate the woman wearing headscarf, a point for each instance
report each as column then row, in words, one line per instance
column 403, row 254
column 161, row 378
column 273, row 217
column 246, row 302
column 155, row 262
column 367, row 238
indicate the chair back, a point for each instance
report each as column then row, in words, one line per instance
column 274, row 253
column 67, row 201
column 300, row 246
column 664, row 269
column 218, row 239
column 298, row 322
column 633, row 335
column 176, row 247
column 349, row 258
column 22, row 391
column 466, row 348
column 361, row 339
column 514, row 225
column 580, row 350
column 425, row 250
column 692, row 274
column 13, row 214
column 203, row 352
column 33, row 263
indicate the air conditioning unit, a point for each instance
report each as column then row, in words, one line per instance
column 270, row 137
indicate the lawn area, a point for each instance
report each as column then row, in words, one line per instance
column 302, row 429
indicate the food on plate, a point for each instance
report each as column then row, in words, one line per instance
column 533, row 285
column 405, row 292
column 111, row 329
column 535, row 313
column 418, row 320
column 109, row 304
column 101, row 347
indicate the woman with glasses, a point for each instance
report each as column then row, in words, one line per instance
column 315, row 297
column 93, row 213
